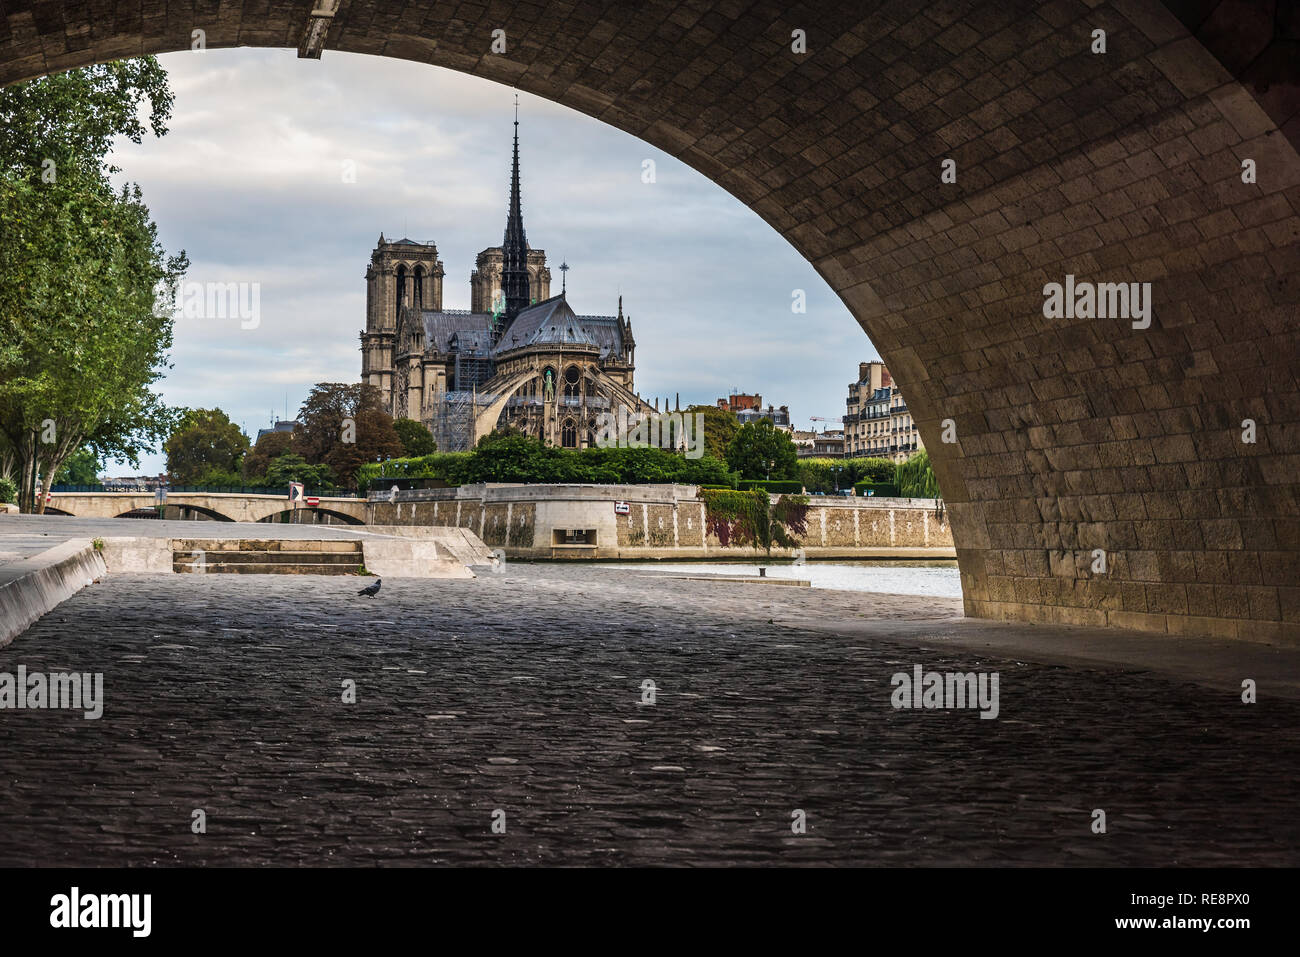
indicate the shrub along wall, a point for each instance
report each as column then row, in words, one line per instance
column 876, row 489
column 773, row 487
column 522, row 459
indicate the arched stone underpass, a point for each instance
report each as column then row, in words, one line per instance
column 313, row 516
column 1070, row 436
column 193, row 513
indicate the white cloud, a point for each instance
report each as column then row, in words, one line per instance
column 249, row 182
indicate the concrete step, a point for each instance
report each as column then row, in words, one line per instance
column 266, row 568
column 351, row 559
column 266, row 556
column 347, row 546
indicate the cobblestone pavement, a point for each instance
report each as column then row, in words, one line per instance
column 521, row 692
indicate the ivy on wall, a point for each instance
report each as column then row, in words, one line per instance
column 752, row 519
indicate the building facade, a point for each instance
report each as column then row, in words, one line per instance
column 518, row 356
column 749, row 408
column 877, row 421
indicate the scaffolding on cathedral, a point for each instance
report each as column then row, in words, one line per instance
column 453, row 421
column 453, row 417
column 472, row 368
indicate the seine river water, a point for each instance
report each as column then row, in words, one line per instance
column 934, row 578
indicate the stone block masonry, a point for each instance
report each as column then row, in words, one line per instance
column 660, row 522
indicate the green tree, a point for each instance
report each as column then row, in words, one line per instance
column 416, row 439
column 720, row 427
column 220, row 478
column 760, row 450
column 80, row 468
column 86, row 291
column 205, row 440
column 268, row 448
column 292, row 467
column 344, row 426
column 916, row 479
column 825, row 475
column 73, row 118
column 503, row 457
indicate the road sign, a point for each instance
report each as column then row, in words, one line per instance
column 622, row 508
column 295, row 491
column 312, row 501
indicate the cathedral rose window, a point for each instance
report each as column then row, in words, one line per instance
column 572, row 383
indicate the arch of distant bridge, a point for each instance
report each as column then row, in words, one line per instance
column 220, row 506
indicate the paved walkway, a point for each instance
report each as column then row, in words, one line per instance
column 521, row 692
column 52, row 529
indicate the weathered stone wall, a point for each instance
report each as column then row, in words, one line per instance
column 662, row 521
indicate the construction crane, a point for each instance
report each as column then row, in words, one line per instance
column 822, row 418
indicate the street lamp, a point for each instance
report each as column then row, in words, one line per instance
column 837, row 469
column 769, row 463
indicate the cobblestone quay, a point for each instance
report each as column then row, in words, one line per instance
column 522, row 692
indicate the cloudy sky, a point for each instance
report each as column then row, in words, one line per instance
column 250, row 183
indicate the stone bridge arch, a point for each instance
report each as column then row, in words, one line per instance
column 218, row 506
column 343, row 517
column 1070, row 435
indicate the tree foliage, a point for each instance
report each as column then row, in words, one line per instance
column 416, row 438
column 916, row 478
column 86, row 290
column 720, row 427
column 506, row 457
column 268, row 448
column 292, row 467
column 760, row 450
column 80, row 468
column 344, row 426
column 820, row 475
column 204, row 441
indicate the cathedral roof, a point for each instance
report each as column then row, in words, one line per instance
column 469, row 330
column 548, row 323
column 553, row 322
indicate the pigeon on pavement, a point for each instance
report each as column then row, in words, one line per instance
column 371, row 590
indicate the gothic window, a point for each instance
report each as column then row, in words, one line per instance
column 569, row 434
column 401, row 285
column 418, row 298
column 572, row 383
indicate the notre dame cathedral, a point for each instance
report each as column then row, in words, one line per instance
column 519, row 356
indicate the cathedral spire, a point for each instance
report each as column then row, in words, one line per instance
column 514, row 247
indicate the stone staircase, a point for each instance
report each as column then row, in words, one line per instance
column 267, row 557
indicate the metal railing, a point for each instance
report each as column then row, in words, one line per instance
column 201, row 489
